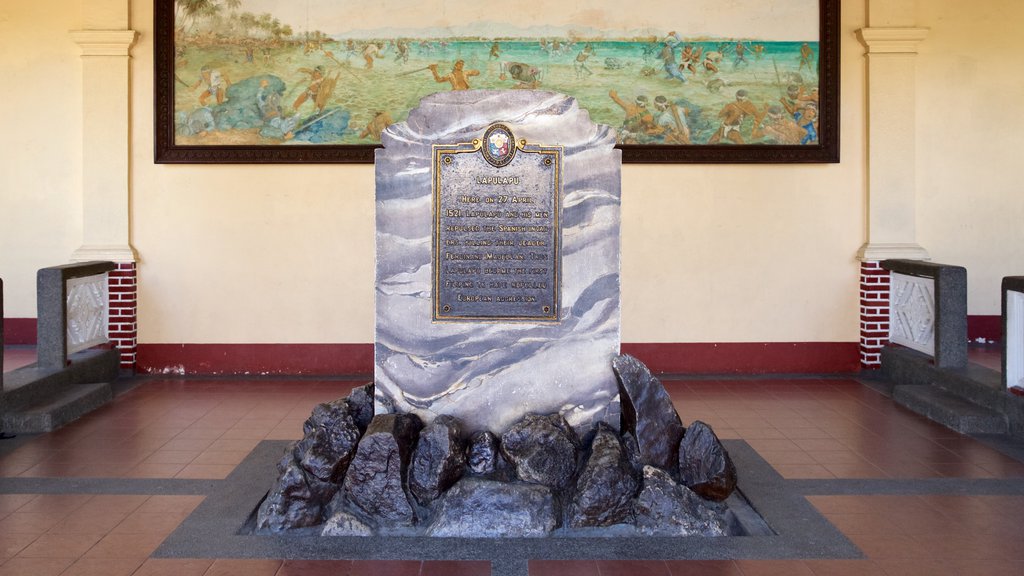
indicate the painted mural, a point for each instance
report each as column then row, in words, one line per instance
column 700, row 72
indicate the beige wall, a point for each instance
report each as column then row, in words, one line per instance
column 970, row 138
column 235, row 254
column 40, row 145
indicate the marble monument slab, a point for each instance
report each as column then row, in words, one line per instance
column 497, row 239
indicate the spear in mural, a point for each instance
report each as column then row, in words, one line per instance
column 344, row 67
column 778, row 78
column 412, row 71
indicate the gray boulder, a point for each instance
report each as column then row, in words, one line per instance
column 648, row 414
column 360, row 405
column 704, row 465
column 343, row 523
column 297, row 500
column 543, row 450
column 665, row 508
column 375, row 482
column 439, row 459
column 480, row 508
column 329, row 442
column 483, row 453
column 606, row 485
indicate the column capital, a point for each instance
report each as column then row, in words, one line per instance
column 876, row 252
column 118, row 254
column 104, row 42
column 886, row 40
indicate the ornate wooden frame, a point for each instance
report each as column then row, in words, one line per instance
column 825, row 151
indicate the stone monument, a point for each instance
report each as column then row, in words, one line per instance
column 501, row 406
column 498, row 261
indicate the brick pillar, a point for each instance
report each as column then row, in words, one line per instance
column 123, row 324
column 874, row 313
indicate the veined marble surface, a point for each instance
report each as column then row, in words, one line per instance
column 490, row 374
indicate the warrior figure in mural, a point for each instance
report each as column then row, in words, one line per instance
column 638, row 121
column 670, row 122
column 371, row 51
column 580, row 64
column 527, row 76
column 732, row 116
column 458, row 77
column 316, row 79
column 373, row 130
column 668, row 60
column 216, row 85
column 806, row 53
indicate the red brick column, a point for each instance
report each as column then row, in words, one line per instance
column 874, row 313
column 123, row 326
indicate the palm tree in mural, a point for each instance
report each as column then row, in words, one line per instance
column 187, row 11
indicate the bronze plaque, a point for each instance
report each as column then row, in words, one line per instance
column 497, row 231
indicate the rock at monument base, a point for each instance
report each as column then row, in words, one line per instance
column 483, row 453
column 360, row 405
column 543, row 449
column 665, row 508
column 330, row 440
column 375, row 482
column 704, row 465
column 343, row 523
column 648, row 414
column 439, row 459
column 479, row 508
column 297, row 500
column 606, row 486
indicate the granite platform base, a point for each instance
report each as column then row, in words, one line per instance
column 784, row 525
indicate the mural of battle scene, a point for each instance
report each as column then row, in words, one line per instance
column 264, row 72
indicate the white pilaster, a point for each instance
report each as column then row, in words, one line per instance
column 892, row 175
column 106, row 114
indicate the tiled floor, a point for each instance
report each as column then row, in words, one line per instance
column 807, row 429
column 18, row 356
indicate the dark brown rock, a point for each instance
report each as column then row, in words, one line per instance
column 665, row 508
column 606, row 485
column 704, row 465
column 481, row 508
column 297, row 500
column 360, row 405
column 376, row 479
column 330, row 440
column 483, row 453
column 648, row 414
column 543, row 450
column 439, row 459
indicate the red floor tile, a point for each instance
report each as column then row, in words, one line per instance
column 34, row 566
column 385, row 568
column 173, row 567
column 233, row 567
column 103, row 567
column 455, row 568
column 633, row 568
column 703, row 568
column 563, row 568
column 774, row 568
column 315, row 568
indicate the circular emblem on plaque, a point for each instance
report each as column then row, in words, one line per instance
column 499, row 145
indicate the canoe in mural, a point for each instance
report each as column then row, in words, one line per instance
column 261, row 72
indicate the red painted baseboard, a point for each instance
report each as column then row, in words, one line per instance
column 748, row 358
column 255, row 359
column 357, row 359
column 990, row 328
column 19, row 331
